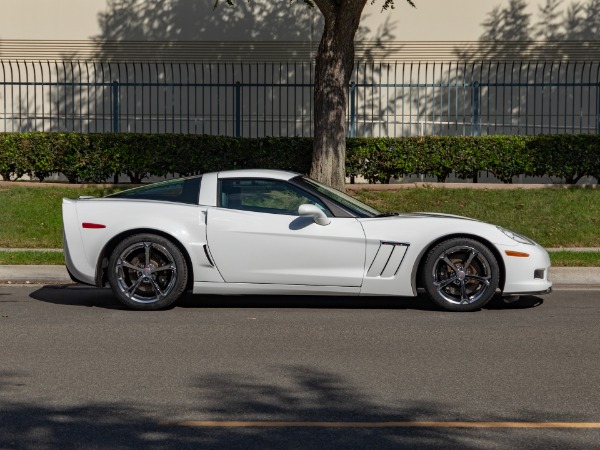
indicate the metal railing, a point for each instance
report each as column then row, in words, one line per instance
column 275, row 99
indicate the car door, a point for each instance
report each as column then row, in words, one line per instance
column 255, row 235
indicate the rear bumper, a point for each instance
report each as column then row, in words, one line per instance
column 76, row 275
column 74, row 278
column 77, row 265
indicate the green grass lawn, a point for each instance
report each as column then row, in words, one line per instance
column 30, row 217
column 31, row 257
column 575, row 259
column 554, row 217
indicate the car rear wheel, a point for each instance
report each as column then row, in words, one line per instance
column 461, row 274
column 147, row 272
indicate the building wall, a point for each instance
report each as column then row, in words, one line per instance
column 60, row 60
column 433, row 20
column 265, row 30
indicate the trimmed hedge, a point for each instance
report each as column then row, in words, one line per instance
column 569, row 157
column 98, row 157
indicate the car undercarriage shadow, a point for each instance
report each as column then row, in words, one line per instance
column 525, row 302
column 78, row 295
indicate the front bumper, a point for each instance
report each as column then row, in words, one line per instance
column 517, row 294
column 526, row 275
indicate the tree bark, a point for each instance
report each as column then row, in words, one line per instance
column 334, row 65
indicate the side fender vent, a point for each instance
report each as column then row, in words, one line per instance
column 388, row 259
column 208, row 255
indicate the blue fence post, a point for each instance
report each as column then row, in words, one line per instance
column 352, row 131
column 238, row 109
column 597, row 109
column 475, row 131
column 115, row 99
column 93, row 96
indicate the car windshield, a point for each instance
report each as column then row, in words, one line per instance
column 357, row 207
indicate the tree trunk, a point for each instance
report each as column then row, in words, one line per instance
column 334, row 65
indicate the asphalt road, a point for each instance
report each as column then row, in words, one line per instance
column 78, row 371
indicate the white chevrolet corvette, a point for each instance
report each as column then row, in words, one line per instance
column 275, row 232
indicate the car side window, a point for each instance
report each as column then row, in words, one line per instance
column 178, row 191
column 266, row 196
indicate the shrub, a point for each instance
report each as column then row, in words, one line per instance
column 98, row 157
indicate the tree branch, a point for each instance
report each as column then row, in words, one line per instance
column 389, row 4
column 326, row 7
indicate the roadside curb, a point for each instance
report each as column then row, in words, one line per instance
column 34, row 274
column 573, row 276
column 569, row 276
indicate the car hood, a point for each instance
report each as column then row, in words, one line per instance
column 418, row 215
column 427, row 227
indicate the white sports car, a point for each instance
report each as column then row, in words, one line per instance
column 275, row 232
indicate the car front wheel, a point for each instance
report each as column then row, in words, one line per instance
column 147, row 272
column 461, row 274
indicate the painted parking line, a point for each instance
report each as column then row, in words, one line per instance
column 407, row 424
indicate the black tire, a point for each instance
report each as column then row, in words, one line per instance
column 460, row 274
column 147, row 272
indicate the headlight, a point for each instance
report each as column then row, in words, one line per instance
column 516, row 236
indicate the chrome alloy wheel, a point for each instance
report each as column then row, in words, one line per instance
column 145, row 272
column 462, row 275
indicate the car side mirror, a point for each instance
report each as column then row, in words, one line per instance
column 315, row 212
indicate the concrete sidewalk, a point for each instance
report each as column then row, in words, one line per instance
column 560, row 276
column 34, row 274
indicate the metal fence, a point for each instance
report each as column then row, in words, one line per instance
column 275, row 99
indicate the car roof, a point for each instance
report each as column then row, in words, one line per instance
column 258, row 173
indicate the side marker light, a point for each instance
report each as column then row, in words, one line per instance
column 517, row 254
column 92, row 225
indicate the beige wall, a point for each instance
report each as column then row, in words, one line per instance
column 433, row 20
column 49, row 19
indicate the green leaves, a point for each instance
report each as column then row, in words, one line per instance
column 94, row 158
column 567, row 157
column 98, row 157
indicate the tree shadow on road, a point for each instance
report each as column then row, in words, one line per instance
column 299, row 394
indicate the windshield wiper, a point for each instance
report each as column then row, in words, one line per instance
column 387, row 214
